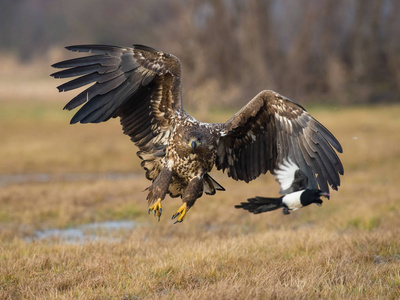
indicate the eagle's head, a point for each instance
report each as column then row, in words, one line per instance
column 194, row 141
column 197, row 142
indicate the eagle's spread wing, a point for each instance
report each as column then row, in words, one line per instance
column 140, row 85
column 272, row 129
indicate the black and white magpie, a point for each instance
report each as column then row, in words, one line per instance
column 294, row 186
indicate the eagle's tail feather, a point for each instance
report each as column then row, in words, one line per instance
column 261, row 204
column 210, row 185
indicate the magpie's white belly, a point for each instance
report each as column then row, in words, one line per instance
column 292, row 200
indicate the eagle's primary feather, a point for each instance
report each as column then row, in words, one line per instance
column 142, row 86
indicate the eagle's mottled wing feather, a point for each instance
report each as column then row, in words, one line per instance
column 271, row 129
column 139, row 84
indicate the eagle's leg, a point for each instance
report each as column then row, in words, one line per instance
column 158, row 190
column 180, row 213
column 193, row 191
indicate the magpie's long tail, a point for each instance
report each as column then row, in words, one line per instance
column 261, row 204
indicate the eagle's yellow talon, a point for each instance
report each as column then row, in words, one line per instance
column 157, row 209
column 181, row 213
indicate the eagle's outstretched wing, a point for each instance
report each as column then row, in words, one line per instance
column 272, row 129
column 140, row 85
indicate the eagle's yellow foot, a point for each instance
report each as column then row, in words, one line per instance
column 180, row 214
column 156, row 207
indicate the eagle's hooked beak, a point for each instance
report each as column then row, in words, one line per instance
column 194, row 145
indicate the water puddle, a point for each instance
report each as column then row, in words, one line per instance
column 109, row 231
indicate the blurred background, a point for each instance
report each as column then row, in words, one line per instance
column 65, row 187
column 324, row 51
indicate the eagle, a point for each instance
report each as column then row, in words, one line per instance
column 143, row 87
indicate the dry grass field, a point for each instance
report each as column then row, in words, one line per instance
column 57, row 176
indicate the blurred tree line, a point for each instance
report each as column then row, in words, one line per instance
column 339, row 51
